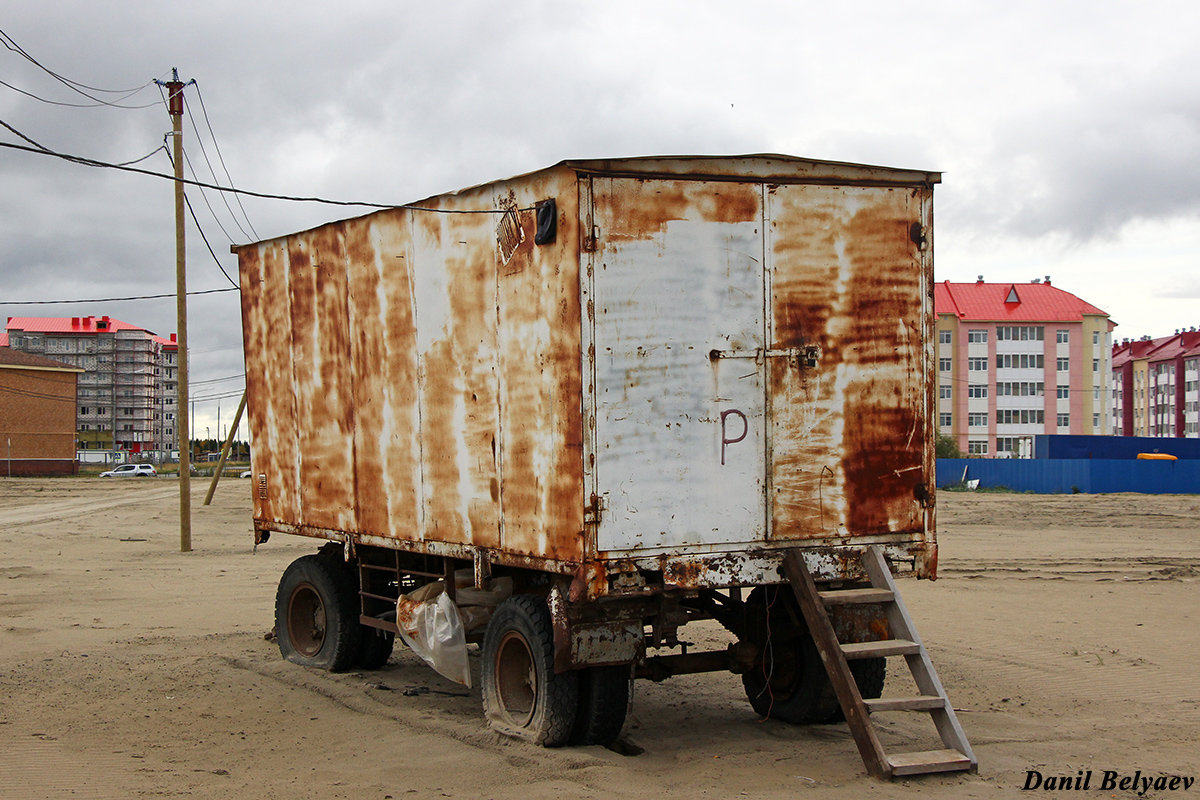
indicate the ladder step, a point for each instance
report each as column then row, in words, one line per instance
column 854, row 596
column 924, row 702
column 884, row 647
column 928, row 761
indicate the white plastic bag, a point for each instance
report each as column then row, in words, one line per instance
column 430, row 624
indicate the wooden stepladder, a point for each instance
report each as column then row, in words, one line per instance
column 932, row 699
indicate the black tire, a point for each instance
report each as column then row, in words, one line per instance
column 869, row 674
column 523, row 696
column 791, row 684
column 374, row 647
column 316, row 615
column 604, row 695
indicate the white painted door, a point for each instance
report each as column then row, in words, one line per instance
column 677, row 315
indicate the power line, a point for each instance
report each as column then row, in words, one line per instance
column 109, row 299
column 188, row 162
column 79, row 160
column 195, row 220
column 209, row 398
column 221, row 380
column 221, row 158
column 213, row 172
column 211, row 252
column 91, row 162
column 74, row 86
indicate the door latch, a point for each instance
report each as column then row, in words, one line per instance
column 806, row 357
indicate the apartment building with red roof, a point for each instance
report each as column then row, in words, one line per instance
column 126, row 393
column 1019, row 359
column 1157, row 386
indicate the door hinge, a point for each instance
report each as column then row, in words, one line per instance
column 592, row 511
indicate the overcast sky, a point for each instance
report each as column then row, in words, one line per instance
column 1068, row 134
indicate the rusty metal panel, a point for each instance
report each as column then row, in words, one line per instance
column 383, row 348
column 849, row 435
column 271, row 406
column 679, row 318
column 540, row 375
column 321, row 366
column 432, row 379
column 454, row 279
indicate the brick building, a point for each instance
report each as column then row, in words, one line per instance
column 1019, row 359
column 37, row 415
column 1156, row 386
column 126, row 395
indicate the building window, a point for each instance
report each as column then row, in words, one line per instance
column 977, row 337
column 977, row 420
column 83, row 409
column 979, row 364
column 977, row 448
column 945, row 392
column 1008, row 444
column 1020, row 361
column 1063, row 336
column 1064, row 420
column 944, row 364
column 977, row 390
column 945, row 420
column 1095, row 420
column 1020, row 416
column 1064, row 391
column 1095, row 365
column 1095, row 337
column 1020, row 333
column 1064, row 365
column 1020, row 389
column 945, row 337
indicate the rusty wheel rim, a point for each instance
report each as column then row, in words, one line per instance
column 516, row 678
column 306, row 625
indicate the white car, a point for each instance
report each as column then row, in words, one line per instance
column 130, row 471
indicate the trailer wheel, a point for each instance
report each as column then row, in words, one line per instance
column 604, row 697
column 791, row 684
column 522, row 694
column 869, row 674
column 316, row 615
column 374, row 647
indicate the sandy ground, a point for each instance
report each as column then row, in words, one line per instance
column 1065, row 629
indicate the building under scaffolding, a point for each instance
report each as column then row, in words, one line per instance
column 126, row 399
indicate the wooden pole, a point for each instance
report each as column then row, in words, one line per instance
column 212, row 487
column 175, row 107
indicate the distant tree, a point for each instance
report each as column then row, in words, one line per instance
column 947, row 446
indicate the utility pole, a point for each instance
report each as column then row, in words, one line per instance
column 175, row 108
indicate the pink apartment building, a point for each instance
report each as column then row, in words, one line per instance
column 1156, row 386
column 1019, row 359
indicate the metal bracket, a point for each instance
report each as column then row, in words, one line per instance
column 805, row 357
column 591, row 242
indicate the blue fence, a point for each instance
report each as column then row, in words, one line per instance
column 1064, row 476
column 1054, row 446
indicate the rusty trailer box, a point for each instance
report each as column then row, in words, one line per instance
column 590, row 405
column 649, row 369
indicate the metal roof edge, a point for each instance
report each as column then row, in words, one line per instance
column 764, row 166
column 767, row 166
